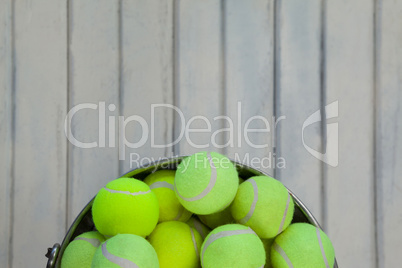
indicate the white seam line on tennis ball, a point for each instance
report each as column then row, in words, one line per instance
column 283, row 254
column 117, row 260
column 180, row 213
column 161, row 184
column 322, row 247
column 198, row 227
column 93, row 241
column 126, row 192
column 209, row 187
column 194, row 242
column 222, row 234
column 253, row 205
column 284, row 215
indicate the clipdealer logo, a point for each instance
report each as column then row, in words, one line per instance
column 237, row 132
column 330, row 156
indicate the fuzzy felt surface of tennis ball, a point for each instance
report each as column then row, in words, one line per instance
column 206, row 182
column 264, row 204
column 267, row 246
column 125, row 250
column 302, row 245
column 217, row 219
column 161, row 183
column 232, row 245
column 196, row 223
column 125, row 206
column 80, row 251
column 176, row 244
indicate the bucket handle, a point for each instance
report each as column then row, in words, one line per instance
column 52, row 255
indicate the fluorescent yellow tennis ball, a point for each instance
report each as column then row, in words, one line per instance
column 195, row 223
column 267, row 246
column 217, row 219
column 162, row 184
column 80, row 251
column 264, row 204
column 302, row 245
column 125, row 250
column 206, row 183
column 232, row 245
column 176, row 244
column 125, row 206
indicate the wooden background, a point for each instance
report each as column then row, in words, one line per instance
column 278, row 58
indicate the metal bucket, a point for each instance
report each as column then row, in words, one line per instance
column 83, row 222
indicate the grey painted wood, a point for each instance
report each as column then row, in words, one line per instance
column 6, row 140
column 199, row 75
column 249, row 72
column 94, row 78
column 39, row 193
column 299, row 96
column 389, row 132
column 349, row 80
column 147, row 77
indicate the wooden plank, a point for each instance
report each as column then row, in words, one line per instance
column 5, row 128
column 389, row 132
column 94, row 78
column 199, row 72
column 299, row 96
column 147, row 53
column 349, row 80
column 249, row 59
column 39, row 195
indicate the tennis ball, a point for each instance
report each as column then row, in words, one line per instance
column 80, row 251
column 302, row 245
column 267, row 246
column 162, row 184
column 232, row 245
column 217, row 219
column 125, row 250
column 125, row 206
column 195, row 223
column 264, row 204
column 176, row 244
column 206, row 183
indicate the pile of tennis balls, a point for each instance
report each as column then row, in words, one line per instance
column 200, row 215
